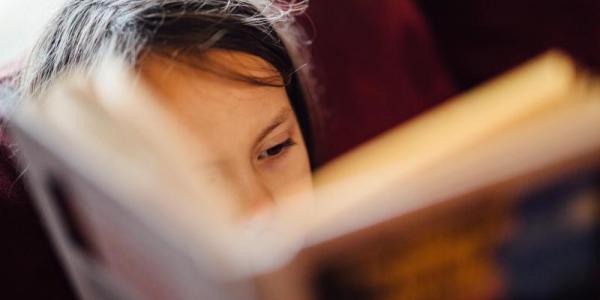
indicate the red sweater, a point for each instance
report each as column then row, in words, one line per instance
column 30, row 267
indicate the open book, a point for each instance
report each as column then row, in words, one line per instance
column 494, row 194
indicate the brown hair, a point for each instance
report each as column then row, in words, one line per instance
column 84, row 30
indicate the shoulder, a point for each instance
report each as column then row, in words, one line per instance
column 30, row 267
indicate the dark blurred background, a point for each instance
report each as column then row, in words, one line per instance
column 383, row 62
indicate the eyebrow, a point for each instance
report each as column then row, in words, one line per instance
column 280, row 118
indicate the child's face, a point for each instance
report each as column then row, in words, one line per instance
column 250, row 130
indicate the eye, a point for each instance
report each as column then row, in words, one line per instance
column 276, row 150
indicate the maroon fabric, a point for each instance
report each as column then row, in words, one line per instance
column 30, row 268
column 480, row 39
column 377, row 63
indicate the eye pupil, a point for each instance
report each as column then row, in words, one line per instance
column 275, row 150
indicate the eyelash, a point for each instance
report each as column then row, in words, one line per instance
column 276, row 150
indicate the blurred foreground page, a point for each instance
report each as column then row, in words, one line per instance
column 493, row 195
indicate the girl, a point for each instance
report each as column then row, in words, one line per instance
column 233, row 71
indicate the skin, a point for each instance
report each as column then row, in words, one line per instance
column 250, row 130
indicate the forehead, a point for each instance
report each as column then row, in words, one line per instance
column 210, row 99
